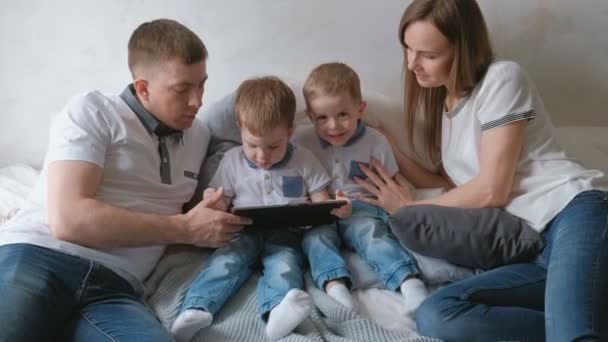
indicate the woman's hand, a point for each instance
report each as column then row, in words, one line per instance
column 391, row 194
column 346, row 210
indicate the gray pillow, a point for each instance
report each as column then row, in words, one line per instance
column 479, row 238
column 221, row 121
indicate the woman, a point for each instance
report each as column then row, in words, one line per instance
column 484, row 122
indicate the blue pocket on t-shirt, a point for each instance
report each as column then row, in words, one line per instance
column 293, row 186
column 355, row 170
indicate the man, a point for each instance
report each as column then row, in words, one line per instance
column 117, row 171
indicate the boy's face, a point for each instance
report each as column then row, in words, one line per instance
column 268, row 149
column 335, row 117
column 173, row 91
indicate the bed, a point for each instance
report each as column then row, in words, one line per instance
column 381, row 316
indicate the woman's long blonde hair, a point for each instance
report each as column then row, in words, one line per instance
column 462, row 23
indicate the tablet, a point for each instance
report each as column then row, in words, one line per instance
column 300, row 215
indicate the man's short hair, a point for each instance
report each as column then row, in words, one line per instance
column 331, row 79
column 161, row 40
column 264, row 103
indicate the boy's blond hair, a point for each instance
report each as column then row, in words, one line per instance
column 264, row 103
column 161, row 40
column 331, row 79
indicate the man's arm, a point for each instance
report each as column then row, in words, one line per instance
column 75, row 215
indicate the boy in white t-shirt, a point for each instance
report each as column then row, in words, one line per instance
column 267, row 169
column 343, row 142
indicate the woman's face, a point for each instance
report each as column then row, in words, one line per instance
column 429, row 54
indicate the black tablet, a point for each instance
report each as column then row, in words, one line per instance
column 290, row 215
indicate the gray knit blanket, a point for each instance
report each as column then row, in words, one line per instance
column 238, row 320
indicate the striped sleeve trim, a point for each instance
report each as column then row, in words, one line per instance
column 529, row 115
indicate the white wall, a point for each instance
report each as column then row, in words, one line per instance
column 54, row 49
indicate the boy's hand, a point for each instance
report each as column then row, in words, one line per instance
column 346, row 210
column 214, row 199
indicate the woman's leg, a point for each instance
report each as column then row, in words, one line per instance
column 502, row 304
column 567, row 297
column 577, row 275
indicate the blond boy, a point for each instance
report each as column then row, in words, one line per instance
column 267, row 169
column 342, row 142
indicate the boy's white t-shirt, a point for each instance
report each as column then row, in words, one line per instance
column 104, row 130
column 290, row 181
column 546, row 179
column 341, row 162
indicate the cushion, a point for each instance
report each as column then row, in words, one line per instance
column 478, row 238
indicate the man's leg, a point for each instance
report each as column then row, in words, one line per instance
column 110, row 310
column 38, row 288
column 120, row 317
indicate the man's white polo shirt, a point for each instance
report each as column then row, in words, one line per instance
column 106, row 131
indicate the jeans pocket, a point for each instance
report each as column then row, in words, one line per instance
column 293, row 186
column 355, row 170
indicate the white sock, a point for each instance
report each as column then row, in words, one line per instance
column 342, row 295
column 189, row 322
column 291, row 311
column 414, row 291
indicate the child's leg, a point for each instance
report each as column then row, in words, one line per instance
column 370, row 237
column 222, row 275
column 281, row 299
column 328, row 269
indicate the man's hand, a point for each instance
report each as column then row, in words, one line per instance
column 208, row 227
column 346, row 210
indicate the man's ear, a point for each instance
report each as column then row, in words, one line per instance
column 141, row 89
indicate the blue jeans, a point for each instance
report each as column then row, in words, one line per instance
column 229, row 267
column 365, row 232
column 48, row 295
column 561, row 296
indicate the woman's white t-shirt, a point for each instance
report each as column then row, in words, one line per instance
column 546, row 179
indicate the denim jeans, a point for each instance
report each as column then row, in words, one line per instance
column 365, row 232
column 560, row 296
column 229, row 267
column 48, row 295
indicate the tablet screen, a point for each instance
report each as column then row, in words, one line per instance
column 299, row 215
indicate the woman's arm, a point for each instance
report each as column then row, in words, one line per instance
column 499, row 154
column 413, row 172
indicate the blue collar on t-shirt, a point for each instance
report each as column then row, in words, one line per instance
column 359, row 133
column 149, row 121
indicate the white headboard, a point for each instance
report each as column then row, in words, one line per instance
column 55, row 49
